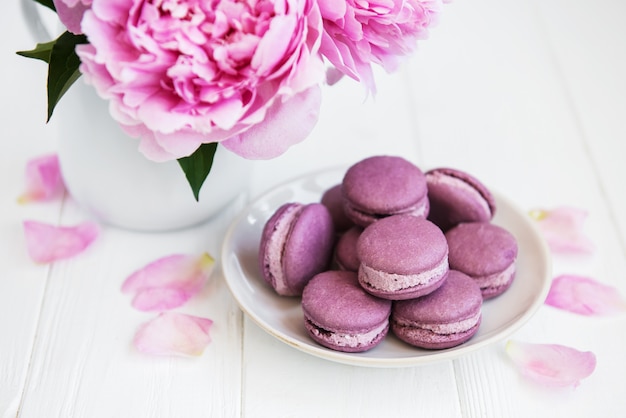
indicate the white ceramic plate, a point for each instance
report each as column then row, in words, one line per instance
column 282, row 316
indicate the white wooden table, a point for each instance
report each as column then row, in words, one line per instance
column 530, row 96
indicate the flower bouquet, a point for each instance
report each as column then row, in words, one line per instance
column 184, row 76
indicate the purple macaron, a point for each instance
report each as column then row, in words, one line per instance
column 485, row 252
column 456, row 196
column 333, row 200
column 340, row 315
column 402, row 257
column 296, row 243
column 382, row 186
column 345, row 255
column 445, row 318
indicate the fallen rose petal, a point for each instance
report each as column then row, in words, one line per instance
column 43, row 179
column 562, row 228
column 584, row 296
column 168, row 282
column 46, row 243
column 551, row 364
column 173, row 333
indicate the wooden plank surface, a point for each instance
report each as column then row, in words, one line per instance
column 522, row 123
column 22, row 137
column 84, row 363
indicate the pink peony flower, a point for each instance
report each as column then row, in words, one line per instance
column 179, row 73
column 357, row 34
column 71, row 13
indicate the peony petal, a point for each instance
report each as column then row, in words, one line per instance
column 562, row 228
column 359, row 34
column 160, row 299
column 285, row 125
column 584, row 296
column 71, row 13
column 551, row 364
column 331, row 9
column 174, row 334
column 333, row 75
column 274, row 44
column 196, row 77
column 168, row 282
column 43, row 179
column 46, row 243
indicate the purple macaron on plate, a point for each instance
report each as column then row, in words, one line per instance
column 282, row 317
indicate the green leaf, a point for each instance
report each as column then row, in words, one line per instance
column 63, row 67
column 197, row 166
column 48, row 3
column 41, row 52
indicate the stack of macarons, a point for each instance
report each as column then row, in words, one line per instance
column 390, row 248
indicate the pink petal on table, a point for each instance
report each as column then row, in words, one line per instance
column 43, row 179
column 168, row 282
column 173, row 333
column 46, row 243
column 584, row 296
column 551, row 364
column 160, row 298
column 562, row 228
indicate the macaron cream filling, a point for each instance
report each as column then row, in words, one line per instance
column 392, row 282
column 343, row 339
column 441, row 329
column 498, row 279
column 420, row 209
column 276, row 246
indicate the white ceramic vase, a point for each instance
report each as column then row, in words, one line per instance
column 106, row 174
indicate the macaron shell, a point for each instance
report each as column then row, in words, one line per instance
column 402, row 257
column 333, row 200
column 296, row 243
column 458, row 298
column 345, row 253
column 445, row 318
column 423, row 338
column 485, row 252
column 456, row 196
column 480, row 248
column 335, row 300
column 349, row 343
column 490, row 292
column 381, row 186
column 267, row 252
column 402, row 244
column 309, row 246
column 340, row 315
